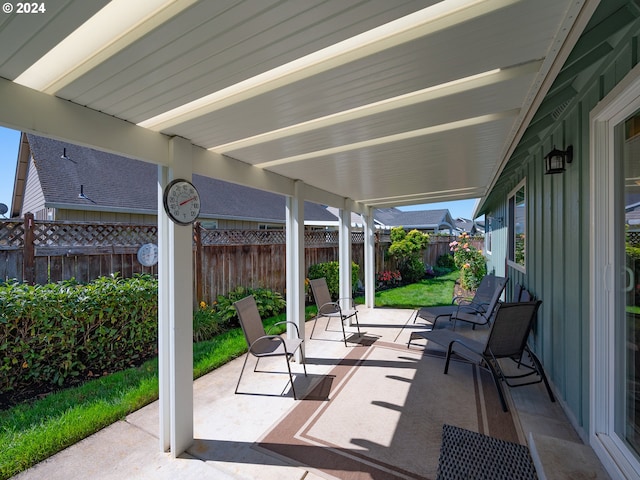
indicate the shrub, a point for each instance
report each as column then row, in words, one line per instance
column 407, row 248
column 470, row 261
column 331, row 271
column 446, row 261
column 388, row 278
column 269, row 303
column 55, row 334
column 206, row 323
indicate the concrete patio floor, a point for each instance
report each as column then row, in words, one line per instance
column 227, row 426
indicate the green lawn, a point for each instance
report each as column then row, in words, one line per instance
column 433, row 291
column 32, row 431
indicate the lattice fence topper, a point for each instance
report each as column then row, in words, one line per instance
column 272, row 237
column 633, row 237
column 12, row 234
column 50, row 234
column 85, row 234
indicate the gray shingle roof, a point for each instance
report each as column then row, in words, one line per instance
column 420, row 219
column 113, row 181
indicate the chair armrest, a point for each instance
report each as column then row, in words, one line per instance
column 335, row 307
column 352, row 303
column 270, row 338
column 460, row 298
column 285, row 321
column 471, row 351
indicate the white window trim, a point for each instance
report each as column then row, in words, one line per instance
column 619, row 104
column 512, row 263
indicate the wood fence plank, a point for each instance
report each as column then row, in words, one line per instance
column 55, row 269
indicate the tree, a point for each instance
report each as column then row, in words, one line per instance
column 407, row 249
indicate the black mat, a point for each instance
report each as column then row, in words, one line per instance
column 470, row 455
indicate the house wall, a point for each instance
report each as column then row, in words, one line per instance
column 33, row 195
column 558, row 243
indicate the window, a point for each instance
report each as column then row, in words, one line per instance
column 209, row 224
column 517, row 227
column 270, row 226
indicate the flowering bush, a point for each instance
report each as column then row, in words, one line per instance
column 470, row 262
column 206, row 322
column 387, row 278
column 407, row 249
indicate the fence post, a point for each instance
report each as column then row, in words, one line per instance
column 29, row 260
column 197, row 239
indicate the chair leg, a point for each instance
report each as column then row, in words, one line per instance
column 242, row 371
column 293, row 388
column 344, row 333
column 304, row 360
column 497, row 381
column 357, row 323
column 449, row 352
column 538, row 365
column 314, row 326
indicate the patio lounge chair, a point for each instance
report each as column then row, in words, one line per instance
column 506, row 339
column 263, row 345
column 330, row 309
column 477, row 310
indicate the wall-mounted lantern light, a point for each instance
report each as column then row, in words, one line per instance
column 556, row 160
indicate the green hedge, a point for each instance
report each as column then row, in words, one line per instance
column 52, row 334
column 331, row 271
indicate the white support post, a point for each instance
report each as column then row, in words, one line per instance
column 345, row 255
column 369, row 259
column 175, row 302
column 163, row 316
column 295, row 263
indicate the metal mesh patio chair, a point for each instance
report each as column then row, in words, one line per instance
column 330, row 309
column 263, row 345
column 476, row 311
column 506, row 339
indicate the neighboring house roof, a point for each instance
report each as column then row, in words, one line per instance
column 387, row 218
column 115, row 183
column 416, row 219
column 469, row 226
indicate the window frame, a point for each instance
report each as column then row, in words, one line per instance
column 511, row 233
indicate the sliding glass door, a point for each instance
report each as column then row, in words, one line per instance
column 627, row 311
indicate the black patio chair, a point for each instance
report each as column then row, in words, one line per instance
column 506, row 339
column 476, row 310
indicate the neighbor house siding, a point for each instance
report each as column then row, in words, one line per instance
column 557, row 265
column 33, row 195
column 106, row 217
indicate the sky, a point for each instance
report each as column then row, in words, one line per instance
column 10, row 140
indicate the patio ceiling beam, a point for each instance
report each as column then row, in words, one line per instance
column 223, row 167
column 110, row 30
column 435, row 18
column 454, row 87
column 30, row 111
column 434, row 129
column 442, row 195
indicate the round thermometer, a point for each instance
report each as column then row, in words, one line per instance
column 148, row 254
column 181, row 202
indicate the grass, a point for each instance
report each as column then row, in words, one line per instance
column 428, row 292
column 35, row 430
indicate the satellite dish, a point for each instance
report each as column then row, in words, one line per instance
column 3, row 209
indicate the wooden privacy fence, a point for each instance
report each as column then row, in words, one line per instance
column 39, row 252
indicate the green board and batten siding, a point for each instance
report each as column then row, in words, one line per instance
column 557, row 231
